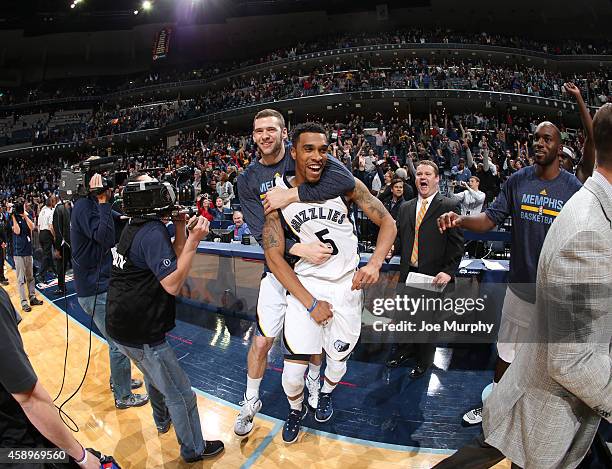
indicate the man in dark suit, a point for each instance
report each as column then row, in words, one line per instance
column 61, row 243
column 394, row 204
column 425, row 250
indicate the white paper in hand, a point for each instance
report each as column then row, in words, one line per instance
column 423, row 282
column 493, row 265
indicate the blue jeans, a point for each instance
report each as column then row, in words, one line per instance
column 120, row 367
column 170, row 393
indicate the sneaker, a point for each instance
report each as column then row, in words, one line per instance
column 133, row 400
column 136, row 383
column 473, row 417
column 291, row 429
column 244, row 421
column 325, row 409
column 211, row 448
column 26, row 307
column 313, row 386
column 164, row 428
column 35, row 302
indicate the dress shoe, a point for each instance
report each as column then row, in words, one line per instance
column 418, row 371
column 398, row 358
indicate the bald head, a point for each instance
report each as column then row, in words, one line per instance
column 556, row 130
column 547, row 145
column 602, row 136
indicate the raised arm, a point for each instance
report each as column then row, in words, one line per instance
column 485, row 221
column 468, row 155
column 274, row 250
column 15, row 226
column 587, row 163
column 375, row 211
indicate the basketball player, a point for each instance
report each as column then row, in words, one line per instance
column 269, row 134
column 311, row 324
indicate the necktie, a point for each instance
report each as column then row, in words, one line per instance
column 414, row 258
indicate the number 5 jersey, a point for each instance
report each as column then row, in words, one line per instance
column 328, row 222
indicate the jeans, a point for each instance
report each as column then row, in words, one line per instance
column 170, row 394
column 120, row 367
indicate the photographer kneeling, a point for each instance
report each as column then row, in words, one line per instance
column 148, row 271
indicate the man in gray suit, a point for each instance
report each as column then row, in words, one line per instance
column 546, row 409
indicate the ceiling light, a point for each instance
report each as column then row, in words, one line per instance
column 72, row 5
column 146, row 5
column 135, row 12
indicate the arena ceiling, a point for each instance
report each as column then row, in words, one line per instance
column 41, row 16
column 36, row 17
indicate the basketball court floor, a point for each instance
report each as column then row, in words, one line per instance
column 382, row 418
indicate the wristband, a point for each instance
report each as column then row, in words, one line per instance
column 83, row 459
column 314, row 305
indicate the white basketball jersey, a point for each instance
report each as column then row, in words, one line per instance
column 328, row 222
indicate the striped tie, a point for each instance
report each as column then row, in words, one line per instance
column 414, row 258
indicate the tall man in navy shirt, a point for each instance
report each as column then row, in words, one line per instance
column 92, row 232
column 254, row 187
column 533, row 197
column 148, row 271
column 22, row 224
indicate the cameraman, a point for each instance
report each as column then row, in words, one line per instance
column 22, row 226
column 148, row 271
column 92, row 232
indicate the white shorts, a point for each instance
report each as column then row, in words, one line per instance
column 516, row 317
column 271, row 306
column 303, row 336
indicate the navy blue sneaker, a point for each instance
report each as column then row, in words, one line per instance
column 325, row 409
column 291, row 429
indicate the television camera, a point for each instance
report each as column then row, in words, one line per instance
column 74, row 182
column 172, row 193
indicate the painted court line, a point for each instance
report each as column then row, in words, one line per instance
column 279, row 423
column 262, row 446
column 61, row 297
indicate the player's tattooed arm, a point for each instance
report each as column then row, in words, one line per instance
column 273, row 239
column 371, row 206
column 375, row 211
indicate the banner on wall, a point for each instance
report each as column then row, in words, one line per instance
column 161, row 44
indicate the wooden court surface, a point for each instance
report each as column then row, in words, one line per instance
column 130, row 435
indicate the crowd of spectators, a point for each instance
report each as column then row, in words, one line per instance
column 359, row 75
column 380, row 151
column 94, row 87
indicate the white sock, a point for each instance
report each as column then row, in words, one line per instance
column 327, row 388
column 252, row 391
column 314, row 371
column 296, row 404
column 486, row 392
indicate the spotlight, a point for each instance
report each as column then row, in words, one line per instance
column 72, row 5
column 147, row 5
column 135, row 12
